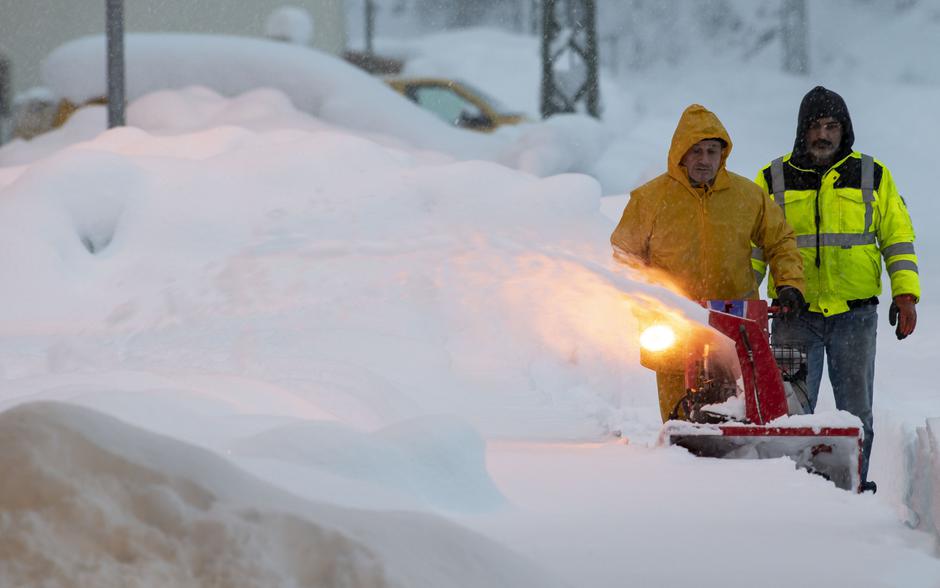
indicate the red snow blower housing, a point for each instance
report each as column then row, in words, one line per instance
column 755, row 408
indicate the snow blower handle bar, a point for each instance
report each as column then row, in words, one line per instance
column 750, row 309
column 776, row 311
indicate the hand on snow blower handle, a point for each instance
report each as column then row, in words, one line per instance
column 903, row 307
column 791, row 302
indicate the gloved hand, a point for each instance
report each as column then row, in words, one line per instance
column 791, row 302
column 903, row 307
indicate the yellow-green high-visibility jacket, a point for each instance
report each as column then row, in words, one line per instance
column 845, row 220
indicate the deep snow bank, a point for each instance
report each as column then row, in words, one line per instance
column 86, row 500
column 335, row 264
column 322, row 89
column 925, row 478
column 314, row 82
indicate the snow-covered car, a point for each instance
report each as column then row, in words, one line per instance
column 315, row 82
column 457, row 102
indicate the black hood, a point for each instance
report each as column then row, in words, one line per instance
column 818, row 103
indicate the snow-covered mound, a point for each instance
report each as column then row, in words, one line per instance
column 413, row 284
column 303, row 88
column 924, row 486
column 315, row 82
column 86, row 500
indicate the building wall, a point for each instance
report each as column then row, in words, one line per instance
column 30, row 29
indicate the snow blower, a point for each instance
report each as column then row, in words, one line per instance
column 753, row 408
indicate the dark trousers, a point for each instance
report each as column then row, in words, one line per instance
column 847, row 342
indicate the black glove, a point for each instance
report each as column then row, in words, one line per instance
column 791, row 302
column 903, row 307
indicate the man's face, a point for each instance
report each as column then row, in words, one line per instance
column 702, row 161
column 823, row 138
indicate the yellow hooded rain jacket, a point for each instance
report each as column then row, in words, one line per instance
column 702, row 237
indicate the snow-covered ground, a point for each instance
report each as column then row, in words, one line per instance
column 340, row 357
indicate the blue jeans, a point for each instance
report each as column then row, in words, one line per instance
column 847, row 342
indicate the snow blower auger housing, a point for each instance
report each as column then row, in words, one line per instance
column 758, row 412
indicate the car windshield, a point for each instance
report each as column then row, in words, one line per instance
column 446, row 104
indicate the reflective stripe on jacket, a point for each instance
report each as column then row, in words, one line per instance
column 845, row 221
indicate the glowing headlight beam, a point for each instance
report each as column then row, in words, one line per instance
column 657, row 338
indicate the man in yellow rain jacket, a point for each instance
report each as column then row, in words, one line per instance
column 696, row 224
column 847, row 214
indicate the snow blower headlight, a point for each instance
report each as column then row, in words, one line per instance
column 658, row 338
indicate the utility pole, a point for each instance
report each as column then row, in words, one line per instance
column 793, row 29
column 569, row 57
column 115, row 37
column 370, row 25
column 6, row 100
column 534, row 18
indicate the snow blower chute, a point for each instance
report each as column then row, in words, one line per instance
column 756, row 411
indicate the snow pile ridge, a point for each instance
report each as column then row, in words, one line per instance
column 74, row 506
column 925, row 477
column 97, row 503
column 314, row 82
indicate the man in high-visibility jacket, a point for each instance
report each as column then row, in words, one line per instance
column 847, row 215
column 695, row 225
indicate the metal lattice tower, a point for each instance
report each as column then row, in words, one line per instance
column 569, row 57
